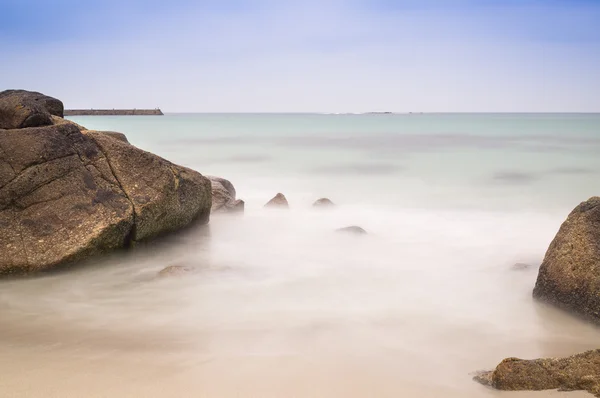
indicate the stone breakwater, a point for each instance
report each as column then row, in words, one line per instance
column 113, row 112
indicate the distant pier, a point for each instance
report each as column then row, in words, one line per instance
column 113, row 112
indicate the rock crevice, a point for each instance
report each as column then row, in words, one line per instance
column 130, row 235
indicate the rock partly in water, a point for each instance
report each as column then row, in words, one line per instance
column 354, row 230
column 65, row 196
column 278, row 201
column 176, row 270
column 323, row 202
column 22, row 109
column 578, row 372
column 569, row 276
column 483, row 377
column 225, row 183
column 238, row 206
column 223, row 196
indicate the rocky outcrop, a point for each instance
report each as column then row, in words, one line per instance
column 569, row 276
column 323, row 202
column 578, row 372
column 22, row 109
column 65, row 196
column 224, row 196
column 278, row 201
column 353, row 230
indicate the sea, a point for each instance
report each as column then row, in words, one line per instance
column 459, row 210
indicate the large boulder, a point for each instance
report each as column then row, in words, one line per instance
column 578, row 372
column 569, row 276
column 223, row 196
column 21, row 109
column 65, row 196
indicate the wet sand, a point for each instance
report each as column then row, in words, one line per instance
column 55, row 373
column 285, row 307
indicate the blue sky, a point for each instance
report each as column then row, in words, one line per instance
column 323, row 56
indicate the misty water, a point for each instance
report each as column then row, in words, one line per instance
column 284, row 306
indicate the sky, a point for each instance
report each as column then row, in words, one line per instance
column 306, row 56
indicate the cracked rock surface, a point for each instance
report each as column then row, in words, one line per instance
column 66, row 195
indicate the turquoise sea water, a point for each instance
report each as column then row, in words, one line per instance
column 474, row 160
column 284, row 306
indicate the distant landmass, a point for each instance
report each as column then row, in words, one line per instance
column 113, row 112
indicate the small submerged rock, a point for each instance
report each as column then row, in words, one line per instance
column 278, row 201
column 483, row 377
column 577, row 372
column 323, row 202
column 354, row 230
column 176, row 270
column 521, row 267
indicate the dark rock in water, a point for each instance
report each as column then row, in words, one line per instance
column 355, row 230
column 578, row 372
column 21, row 109
column 238, row 206
column 223, row 196
column 176, row 270
column 225, row 183
column 65, row 196
column 569, row 276
column 521, row 266
column 323, row 202
column 278, row 201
